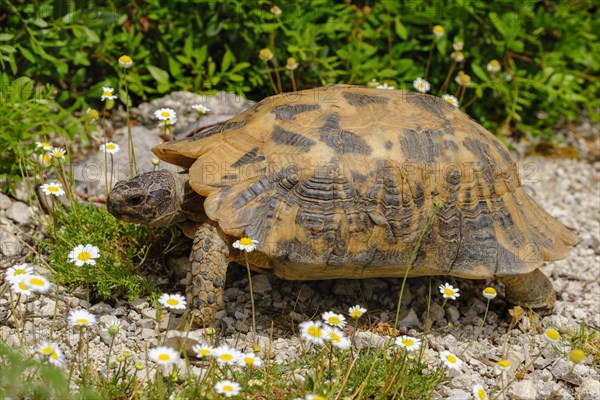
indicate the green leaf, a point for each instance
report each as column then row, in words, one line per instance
column 160, row 75
column 400, row 28
column 27, row 54
column 4, row 37
column 498, row 24
column 480, row 73
column 227, row 59
column 201, row 55
column 7, row 49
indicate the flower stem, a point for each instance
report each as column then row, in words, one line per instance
column 251, row 298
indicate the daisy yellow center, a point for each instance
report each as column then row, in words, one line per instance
column 246, row 241
column 164, row 114
column 421, row 85
column 111, row 146
column 84, row 256
column 54, row 356
column 356, row 314
column 22, row 286
column 552, row 334
column 318, row 398
column 490, row 291
column 36, row 282
column 53, row 189
column 107, row 93
column 164, row 357
column 45, row 144
column 335, row 337
column 451, row 358
column 438, row 29
column 449, row 292
column 481, row 394
column 46, row 351
column 314, row 331
column 503, row 364
column 82, row 321
column 57, row 154
column 449, row 100
column 227, row 388
column 204, row 352
column 46, row 159
column 577, row 356
column 408, row 342
column 172, row 302
column 125, row 59
column 494, row 63
column 334, row 320
column 226, row 357
column 249, row 360
column 19, row 272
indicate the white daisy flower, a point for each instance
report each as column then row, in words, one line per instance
column 112, row 326
column 53, row 188
column 43, row 145
column 313, row 332
column 125, row 61
column 409, row 343
column 458, row 46
column 167, row 122
column 12, row 273
column 493, row 66
column 18, row 285
column 265, row 55
column 314, row 397
column 334, row 319
column 165, row 113
column 421, row 85
column 107, row 93
column 489, row 293
column 551, row 335
column 228, row 388
column 337, row 338
column 479, row 393
column 173, row 301
column 203, row 350
column 51, row 352
column 81, row 318
column 448, row 98
column 438, row 31
column 81, row 255
column 503, row 365
column 450, row 360
column 201, row 109
column 276, row 11
column 57, row 153
column 249, row 360
column 163, row 355
column 226, row 355
column 45, row 159
column 110, row 148
column 385, row 86
column 245, row 244
column 356, row 311
column 457, row 56
column 449, row 292
column 37, row 283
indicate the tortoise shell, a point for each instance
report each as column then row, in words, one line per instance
column 345, row 182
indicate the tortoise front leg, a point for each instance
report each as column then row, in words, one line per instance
column 206, row 277
column 531, row 290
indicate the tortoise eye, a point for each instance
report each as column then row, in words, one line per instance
column 135, row 200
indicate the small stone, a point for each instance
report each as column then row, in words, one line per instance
column 345, row 287
column 5, row 201
column 589, row 390
column 452, row 313
column 408, row 319
column 139, row 304
column 561, row 369
column 305, row 294
column 101, row 308
column 522, row 390
column 369, row 340
column 261, row 284
column 239, row 315
column 19, row 212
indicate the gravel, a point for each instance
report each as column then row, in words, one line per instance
column 568, row 189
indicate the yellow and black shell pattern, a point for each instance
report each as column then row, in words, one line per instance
column 346, row 181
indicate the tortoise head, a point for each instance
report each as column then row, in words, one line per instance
column 152, row 198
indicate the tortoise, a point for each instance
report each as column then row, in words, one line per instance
column 345, row 182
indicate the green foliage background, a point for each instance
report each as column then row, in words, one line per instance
column 549, row 49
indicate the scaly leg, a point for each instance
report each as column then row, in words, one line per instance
column 531, row 290
column 206, row 277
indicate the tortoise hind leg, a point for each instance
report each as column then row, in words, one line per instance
column 531, row 290
column 206, row 277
